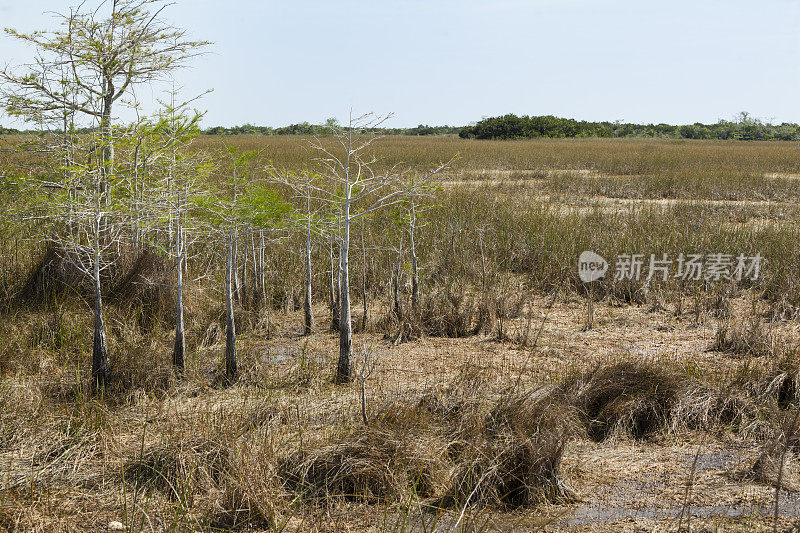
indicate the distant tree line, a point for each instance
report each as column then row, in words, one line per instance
column 302, row 128
column 512, row 126
column 331, row 126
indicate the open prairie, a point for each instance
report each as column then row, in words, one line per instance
column 508, row 395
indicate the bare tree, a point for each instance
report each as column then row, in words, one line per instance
column 228, row 210
column 355, row 187
column 311, row 222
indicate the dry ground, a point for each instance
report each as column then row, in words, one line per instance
column 67, row 480
column 162, row 455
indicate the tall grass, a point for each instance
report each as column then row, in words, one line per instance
column 285, row 447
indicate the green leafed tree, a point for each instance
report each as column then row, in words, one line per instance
column 240, row 202
column 95, row 57
column 163, row 199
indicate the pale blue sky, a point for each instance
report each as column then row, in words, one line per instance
column 452, row 62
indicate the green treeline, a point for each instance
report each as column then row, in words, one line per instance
column 527, row 127
column 304, row 128
column 530, row 127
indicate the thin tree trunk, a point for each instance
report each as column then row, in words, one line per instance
column 179, row 351
column 243, row 286
column 262, row 270
column 398, row 312
column 331, row 288
column 136, row 214
column 235, row 274
column 100, row 363
column 107, row 136
column 363, row 277
column 336, row 291
column 414, row 262
column 343, row 369
column 231, row 368
column 256, row 290
column 309, row 316
column 288, row 296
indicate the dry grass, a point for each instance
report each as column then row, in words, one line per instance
column 645, row 399
column 462, row 445
column 367, row 465
column 520, row 433
column 746, row 338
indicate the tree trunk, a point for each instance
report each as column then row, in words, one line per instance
column 256, row 289
column 398, row 312
column 331, row 288
column 107, row 149
column 107, row 136
column 231, row 368
column 364, row 317
column 100, row 363
column 137, row 218
column 179, row 350
column 243, row 286
column 414, row 262
column 309, row 316
column 262, row 270
column 237, row 294
column 343, row 369
column 335, row 293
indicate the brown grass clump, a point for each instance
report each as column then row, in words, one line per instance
column 773, row 380
column 504, row 448
column 784, row 384
column 640, row 399
column 447, row 314
column 139, row 282
column 702, row 407
column 631, row 398
column 368, row 465
column 462, row 445
column 142, row 285
column 776, row 464
column 139, row 364
column 509, row 454
column 181, row 469
column 745, row 338
column 224, row 485
column 49, row 277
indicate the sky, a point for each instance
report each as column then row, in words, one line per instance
column 456, row 61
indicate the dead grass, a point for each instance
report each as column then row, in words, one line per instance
column 367, row 465
column 509, row 454
column 285, row 441
column 641, row 399
column 746, row 338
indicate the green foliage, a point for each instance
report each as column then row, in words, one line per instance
column 530, row 127
column 305, row 128
column 263, row 206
